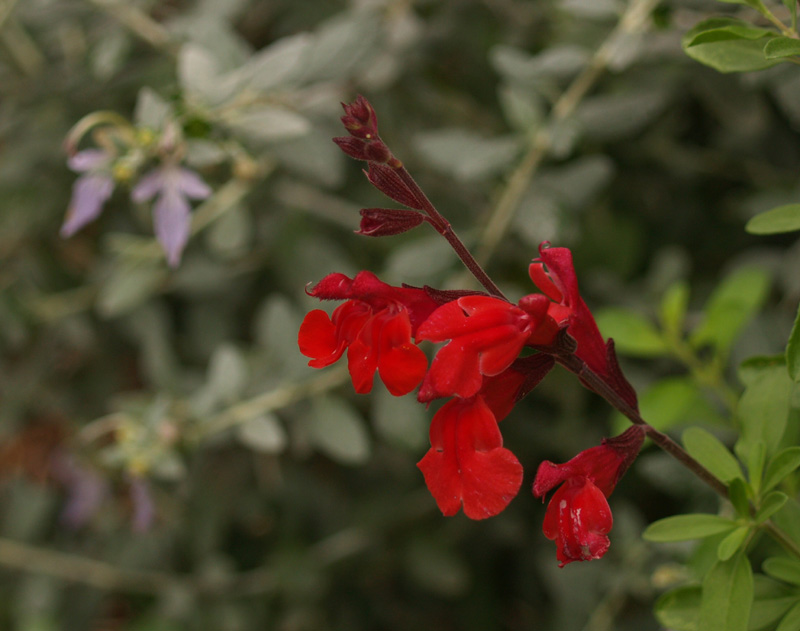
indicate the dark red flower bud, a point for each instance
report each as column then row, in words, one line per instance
column 353, row 147
column 377, row 151
column 385, row 222
column 360, row 119
column 387, row 180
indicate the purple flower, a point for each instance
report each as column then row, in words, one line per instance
column 144, row 510
column 86, row 490
column 174, row 186
column 90, row 191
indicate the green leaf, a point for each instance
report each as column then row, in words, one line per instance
column 782, row 464
column 633, row 333
column 673, row 307
column 727, row 595
column 679, row 609
column 674, row 401
column 791, row 621
column 464, row 154
column 782, row 47
column 711, row 453
column 732, row 304
column 783, row 569
column 793, row 351
column 772, row 600
column 730, row 544
column 770, row 505
column 337, row 429
column 763, row 408
column 755, row 465
column 268, row 123
column 129, row 285
column 264, row 433
column 685, row 527
column 777, row 220
column 732, row 55
column 723, row 29
column 737, row 492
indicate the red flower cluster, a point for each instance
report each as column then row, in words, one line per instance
column 479, row 366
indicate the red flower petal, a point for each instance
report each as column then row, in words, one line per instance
column 467, row 465
column 317, row 339
column 578, row 519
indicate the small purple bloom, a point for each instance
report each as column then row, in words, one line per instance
column 174, row 186
column 90, row 191
column 85, row 489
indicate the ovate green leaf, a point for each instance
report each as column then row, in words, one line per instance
column 782, row 47
column 685, row 527
column 633, row 333
column 770, row 505
column 764, row 408
column 777, row 220
column 781, row 465
column 337, row 429
column 732, row 542
column 727, row 595
column 791, row 621
column 732, row 304
column 783, row 569
column 711, row 453
column 679, row 609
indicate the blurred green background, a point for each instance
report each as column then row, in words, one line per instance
column 167, row 459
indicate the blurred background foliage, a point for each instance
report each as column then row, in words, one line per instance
column 167, row 459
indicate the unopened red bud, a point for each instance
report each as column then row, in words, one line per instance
column 384, row 222
column 377, row 151
column 353, row 147
column 360, row 118
column 387, row 180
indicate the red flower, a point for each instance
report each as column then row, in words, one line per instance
column 467, row 464
column 375, row 326
column 561, row 286
column 560, row 283
column 578, row 517
column 485, row 336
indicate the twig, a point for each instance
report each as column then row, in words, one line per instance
column 277, row 398
column 139, row 23
column 632, row 21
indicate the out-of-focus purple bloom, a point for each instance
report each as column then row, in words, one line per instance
column 144, row 510
column 90, row 191
column 174, row 186
column 85, row 489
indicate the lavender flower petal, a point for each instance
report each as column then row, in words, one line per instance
column 172, row 221
column 192, row 185
column 88, row 159
column 89, row 193
column 150, row 184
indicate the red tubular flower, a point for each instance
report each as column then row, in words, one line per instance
column 560, row 284
column 375, row 326
column 467, row 464
column 578, row 517
column 486, row 335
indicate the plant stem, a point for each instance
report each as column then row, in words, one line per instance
column 443, row 227
column 632, row 21
column 598, row 385
column 139, row 23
